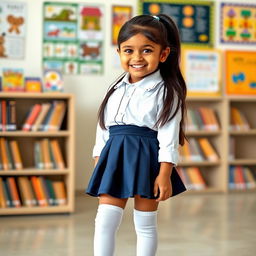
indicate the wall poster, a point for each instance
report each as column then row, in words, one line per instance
column 73, row 38
column 202, row 71
column 12, row 29
column 194, row 18
column 240, row 72
column 120, row 14
column 238, row 24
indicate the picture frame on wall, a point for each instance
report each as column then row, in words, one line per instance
column 195, row 19
column 202, row 71
column 240, row 72
column 120, row 14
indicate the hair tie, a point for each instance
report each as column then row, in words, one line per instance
column 156, row 17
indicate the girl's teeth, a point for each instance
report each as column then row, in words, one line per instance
column 137, row 66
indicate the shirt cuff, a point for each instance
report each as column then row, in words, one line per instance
column 170, row 156
column 97, row 150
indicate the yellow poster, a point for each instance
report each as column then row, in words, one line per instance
column 241, row 72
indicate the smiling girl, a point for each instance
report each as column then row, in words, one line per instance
column 141, row 124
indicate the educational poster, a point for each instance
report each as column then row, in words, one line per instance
column 194, row 18
column 202, row 71
column 238, row 23
column 73, row 38
column 240, row 72
column 12, row 29
column 120, row 14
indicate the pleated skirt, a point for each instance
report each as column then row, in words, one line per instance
column 128, row 165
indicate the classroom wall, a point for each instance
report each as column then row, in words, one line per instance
column 88, row 89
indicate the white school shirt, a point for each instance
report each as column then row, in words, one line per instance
column 140, row 104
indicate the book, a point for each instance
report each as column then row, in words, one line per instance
column 2, row 194
column 34, row 112
column 13, row 80
column 60, row 192
column 4, row 115
column 238, row 120
column 208, row 150
column 41, row 116
column 4, row 156
column 13, row 191
column 11, row 116
column 196, row 178
column 33, row 84
column 16, row 155
column 38, row 191
column 57, row 116
column 46, row 154
column 25, row 195
column 58, row 158
column 53, row 80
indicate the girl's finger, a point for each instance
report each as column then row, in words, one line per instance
column 155, row 189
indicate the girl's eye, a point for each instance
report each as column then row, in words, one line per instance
column 147, row 51
column 128, row 50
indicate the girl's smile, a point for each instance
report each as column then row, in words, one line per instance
column 140, row 56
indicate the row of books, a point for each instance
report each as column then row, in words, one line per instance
column 202, row 118
column 198, row 150
column 45, row 116
column 47, row 155
column 8, row 115
column 241, row 177
column 238, row 120
column 31, row 191
column 192, row 178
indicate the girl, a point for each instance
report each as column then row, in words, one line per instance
column 140, row 128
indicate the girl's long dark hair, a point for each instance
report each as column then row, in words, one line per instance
column 163, row 31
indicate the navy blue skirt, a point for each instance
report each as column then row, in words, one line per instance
column 128, row 165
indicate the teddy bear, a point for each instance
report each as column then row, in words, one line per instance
column 15, row 23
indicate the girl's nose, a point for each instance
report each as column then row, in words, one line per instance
column 137, row 56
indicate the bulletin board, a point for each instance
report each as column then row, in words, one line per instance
column 238, row 25
column 195, row 19
column 73, row 37
column 202, row 71
column 240, row 72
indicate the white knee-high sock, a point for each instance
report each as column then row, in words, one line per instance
column 107, row 221
column 146, row 230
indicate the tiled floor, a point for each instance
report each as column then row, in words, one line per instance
column 201, row 225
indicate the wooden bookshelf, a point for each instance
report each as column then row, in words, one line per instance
column 213, row 172
column 65, row 137
column 244, row 153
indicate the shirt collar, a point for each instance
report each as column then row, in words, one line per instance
column 148, row 83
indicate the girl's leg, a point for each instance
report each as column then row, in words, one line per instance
column 107, row 221
column 145, row 221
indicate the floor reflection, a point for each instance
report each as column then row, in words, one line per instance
column 212, row 224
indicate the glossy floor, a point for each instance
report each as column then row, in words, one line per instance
column 201, row 225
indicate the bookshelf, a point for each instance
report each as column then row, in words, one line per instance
column 26, row 141
column 242, row 149
column 234, row 147
column 213, row 172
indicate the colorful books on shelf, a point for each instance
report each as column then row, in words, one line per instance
column 31, row 191
column 10, row 157
column 202, row 118
column 8, row 115
column 192, row 178
column 198, row 150
column 239, row 121
column 241, row 177
column 48, row 154
column 45, row 116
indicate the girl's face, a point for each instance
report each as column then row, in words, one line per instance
column 140, row 57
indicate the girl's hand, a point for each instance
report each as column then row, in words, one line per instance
column 163, row 182
column 96, row 159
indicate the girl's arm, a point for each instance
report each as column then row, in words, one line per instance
column 163, row 182
column 96, row 159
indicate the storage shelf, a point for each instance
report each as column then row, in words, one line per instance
column 28, row 95
column 198, row 163
column 206, row 190
column 203, row 133
column 36, row 210
column 204, row 98
column 243, row 133
column 34, row 171
column 243, row 162
column 35, row 134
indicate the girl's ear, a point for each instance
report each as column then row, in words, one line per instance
column 164, row 54
column 118, row 50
